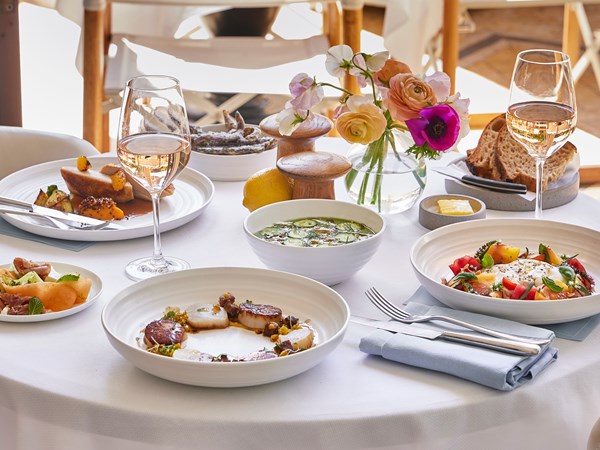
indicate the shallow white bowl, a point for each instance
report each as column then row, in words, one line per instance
column 231, row 167
column 133, row 308
column 329, row 265
column 433, row 252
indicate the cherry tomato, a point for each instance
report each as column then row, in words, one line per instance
column 466, row 263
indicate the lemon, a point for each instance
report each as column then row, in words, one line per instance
column 265, row 187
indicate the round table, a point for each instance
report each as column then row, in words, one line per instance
column 63, row 385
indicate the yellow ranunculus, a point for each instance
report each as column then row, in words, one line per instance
column 363, row 124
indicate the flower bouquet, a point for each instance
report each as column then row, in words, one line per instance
column 398, row 102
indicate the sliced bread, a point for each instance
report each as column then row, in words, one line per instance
column 515, row 164
column 481, row 160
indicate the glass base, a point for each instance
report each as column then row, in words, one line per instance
column 144, row 268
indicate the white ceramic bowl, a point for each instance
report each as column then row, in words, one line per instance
column 433, row 252
column 231, row 167
column 329, row 265
column 133, row 308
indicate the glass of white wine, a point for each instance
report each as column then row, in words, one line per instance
column 542, row 112
column 153, row 146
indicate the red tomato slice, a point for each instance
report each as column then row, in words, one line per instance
column 466, row 263
column 508, row 284
column 519, row 290
column 575, row 264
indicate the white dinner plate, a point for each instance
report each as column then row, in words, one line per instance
column 431, row 255
column 133, row 308
column 193, row 192
column 62, row 269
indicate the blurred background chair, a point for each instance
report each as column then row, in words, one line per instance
column 20, row 148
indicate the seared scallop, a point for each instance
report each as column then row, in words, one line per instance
column 300, row 338
column 163, row 332
column 207, row 316
column 257, row 316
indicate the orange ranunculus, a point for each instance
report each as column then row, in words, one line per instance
column 389, row 69
column 408, row 94
column 363, row 124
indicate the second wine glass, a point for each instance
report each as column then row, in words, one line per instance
column 542, row 112
column 153, row 147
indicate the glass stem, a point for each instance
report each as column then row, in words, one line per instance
column 539, row 177
column 157, row 257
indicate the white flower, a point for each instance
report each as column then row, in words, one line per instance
column 440, row 85
column 377, row 60
column 289, row 119
column 339, row 58
column 461, row 106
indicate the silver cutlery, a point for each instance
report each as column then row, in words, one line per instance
column 473, row 180
column 72, row 220
column 502, row 345
column 62, row 222
column 400, row 315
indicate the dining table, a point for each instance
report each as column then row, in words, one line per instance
column 65, row 387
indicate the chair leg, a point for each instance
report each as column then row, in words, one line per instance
column 450, row 40
column 93, row 68
column 592, row 45
column 352, row 18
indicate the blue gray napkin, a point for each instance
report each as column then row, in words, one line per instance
column 8, row 230
column 490, row 368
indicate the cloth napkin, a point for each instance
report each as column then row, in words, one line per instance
column 490, row 368
column 9, row 230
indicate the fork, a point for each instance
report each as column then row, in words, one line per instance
column 63, row 224
column 396, row 313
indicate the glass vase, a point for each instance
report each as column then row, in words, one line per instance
column 383, row 176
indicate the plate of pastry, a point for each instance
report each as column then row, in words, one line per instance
column 188, row 196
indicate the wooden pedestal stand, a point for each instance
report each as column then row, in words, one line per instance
column 302, row 139
column 313, row 173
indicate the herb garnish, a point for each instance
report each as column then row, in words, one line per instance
column 35, row 306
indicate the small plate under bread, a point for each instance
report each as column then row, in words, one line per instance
column 558, row 193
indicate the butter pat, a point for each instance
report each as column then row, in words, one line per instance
column 455, row 207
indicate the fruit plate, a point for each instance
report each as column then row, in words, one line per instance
column 61, row 268
column 133, row 308
column 193, row 193
column 558, row 193
column 231, row 167
column 431, row 255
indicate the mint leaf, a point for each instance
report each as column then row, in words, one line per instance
column 69, row 277
column 35, row 306
column 487, row 261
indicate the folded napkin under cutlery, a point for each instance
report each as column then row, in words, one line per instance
column 494, row 369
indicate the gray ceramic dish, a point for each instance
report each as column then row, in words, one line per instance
column 430, row 217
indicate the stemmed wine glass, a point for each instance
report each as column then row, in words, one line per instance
column 542, row 112
column 153, row 147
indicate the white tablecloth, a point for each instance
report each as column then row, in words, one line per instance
column 64, row 387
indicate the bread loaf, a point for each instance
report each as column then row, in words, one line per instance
column 481, row 160
column 514, row 164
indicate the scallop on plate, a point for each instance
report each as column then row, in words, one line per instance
column 431, row 255
column 134, row 323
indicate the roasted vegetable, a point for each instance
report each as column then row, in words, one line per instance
column 100, row 208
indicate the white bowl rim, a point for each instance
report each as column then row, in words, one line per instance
column 377, row 234
column 164, row 278
column 492, row 299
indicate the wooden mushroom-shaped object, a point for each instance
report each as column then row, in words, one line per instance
column 302, row 139
column 313, row 173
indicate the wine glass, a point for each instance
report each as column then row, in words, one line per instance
column 542, row 113
column 153, row 146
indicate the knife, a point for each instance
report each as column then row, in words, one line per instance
column 473, row 180
column 503, row 345
column 49, row 212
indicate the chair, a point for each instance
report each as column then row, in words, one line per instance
column 20, row 148
column 205, row 65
